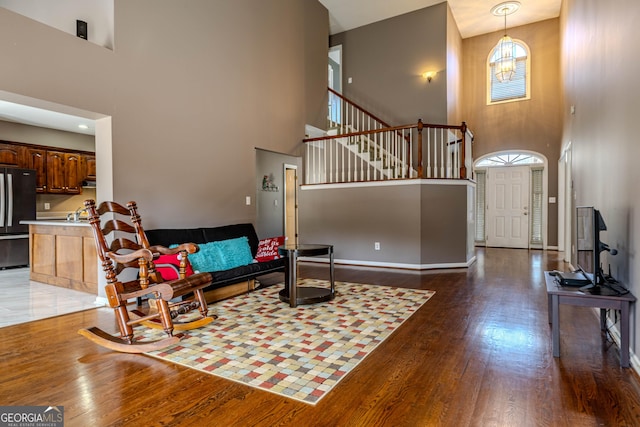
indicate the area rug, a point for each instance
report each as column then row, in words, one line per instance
column 301, row 352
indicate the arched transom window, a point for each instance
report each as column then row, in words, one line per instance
column 510, row 159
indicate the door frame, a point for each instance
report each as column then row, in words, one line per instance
column 285, row 205
column 565, row 203
column 491, row 215
column 545, row 189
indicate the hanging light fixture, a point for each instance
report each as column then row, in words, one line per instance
column 505, row 62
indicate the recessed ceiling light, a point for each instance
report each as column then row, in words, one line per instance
column 83, row 126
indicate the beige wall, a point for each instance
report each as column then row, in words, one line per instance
column 534, row 124
column 191, row 89
column 453, row 71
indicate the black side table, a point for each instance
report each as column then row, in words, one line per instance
column 295, row 295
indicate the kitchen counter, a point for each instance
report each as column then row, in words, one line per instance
column 57, row 222
column 63, row 253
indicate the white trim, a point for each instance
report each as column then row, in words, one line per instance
column 314, row 132
column 545, row 187
column 285, row 167
column 614, row 332
column 527, row 77
column 390, row 264
column 394, row 182
column 332, row 49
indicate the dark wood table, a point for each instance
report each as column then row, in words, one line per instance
column 573, row 296
column 295, row 295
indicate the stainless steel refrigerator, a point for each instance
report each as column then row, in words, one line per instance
column 17, row 203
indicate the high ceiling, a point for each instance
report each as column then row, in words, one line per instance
column 472, row 16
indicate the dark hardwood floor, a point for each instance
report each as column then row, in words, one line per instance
column 477, row 354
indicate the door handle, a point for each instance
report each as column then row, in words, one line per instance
column 9, row 200
column 2, row 200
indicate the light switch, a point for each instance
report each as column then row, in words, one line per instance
column 247, row 200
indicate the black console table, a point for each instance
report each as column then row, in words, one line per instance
column 295, row 295
column 573, row 296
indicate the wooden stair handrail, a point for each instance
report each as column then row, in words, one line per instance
column 419, row 127
column 388, row 129
column 373, row 116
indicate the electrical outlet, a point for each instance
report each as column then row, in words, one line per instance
column 247, row 200
column 376, row 246
column 47, row 206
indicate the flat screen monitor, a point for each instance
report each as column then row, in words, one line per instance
column 589, row 223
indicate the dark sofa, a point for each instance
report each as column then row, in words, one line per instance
column 170, row 236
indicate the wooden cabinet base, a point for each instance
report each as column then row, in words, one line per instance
column 64, row 256
column 229, row 291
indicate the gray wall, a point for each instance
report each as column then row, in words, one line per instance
column 386, row 60
column 191, row 89
column 443, row 226
column 270, row 204
column 600, row 78
column 419, row 224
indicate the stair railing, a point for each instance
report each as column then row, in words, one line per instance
column 346, row 116
column 441, row 151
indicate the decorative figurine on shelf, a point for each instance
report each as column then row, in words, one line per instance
column 267, row 183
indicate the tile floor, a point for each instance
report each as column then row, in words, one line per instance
column 22, row 300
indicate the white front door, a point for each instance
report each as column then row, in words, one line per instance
column 507, row 212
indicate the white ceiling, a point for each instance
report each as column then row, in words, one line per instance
column 472, row 16
column 20, row 113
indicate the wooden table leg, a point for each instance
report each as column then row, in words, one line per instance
column 555, row 324
column 293, row 279
column 624, row 334
column 331, row 272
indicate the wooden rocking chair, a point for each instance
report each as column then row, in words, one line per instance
column 129, row 248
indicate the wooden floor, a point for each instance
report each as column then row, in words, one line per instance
column 477, row 354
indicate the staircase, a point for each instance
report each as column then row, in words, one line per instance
column 361, row 147
column 380, row 160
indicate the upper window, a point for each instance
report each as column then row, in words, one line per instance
column 515, row 89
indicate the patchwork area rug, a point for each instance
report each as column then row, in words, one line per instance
column 302, row 352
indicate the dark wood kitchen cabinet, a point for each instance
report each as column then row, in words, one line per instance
column 63, row 173
column 36, row 158
column 10, row 155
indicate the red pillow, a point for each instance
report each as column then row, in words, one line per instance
column 268, row 249
column 169, row 273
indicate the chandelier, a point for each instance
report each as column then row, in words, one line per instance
column 504, row 66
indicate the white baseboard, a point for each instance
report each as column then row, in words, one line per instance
column 403, row 266
column 634, row 362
